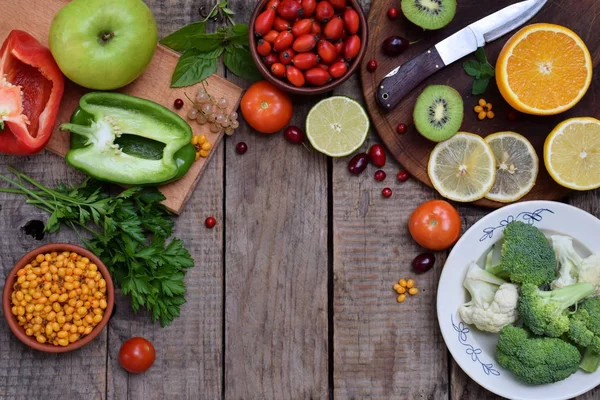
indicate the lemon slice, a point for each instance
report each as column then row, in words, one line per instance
column 337, row 126
column 517, row 166
column 462, row 168
column 572, row 153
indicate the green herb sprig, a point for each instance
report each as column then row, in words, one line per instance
column 202, row 50
column 481, row 70
column 128, row 232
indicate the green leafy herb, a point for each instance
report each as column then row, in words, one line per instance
column 481, row 70
column 129, row 232
column 201, row 50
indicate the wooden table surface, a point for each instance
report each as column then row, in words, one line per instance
column 291, row 294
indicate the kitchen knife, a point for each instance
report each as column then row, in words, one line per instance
column 404, row 78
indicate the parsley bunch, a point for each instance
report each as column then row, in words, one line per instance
column 201, row 50
column 128, row 232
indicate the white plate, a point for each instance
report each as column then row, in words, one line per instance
column 473, row 350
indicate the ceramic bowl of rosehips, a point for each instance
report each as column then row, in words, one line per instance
column 308, row 46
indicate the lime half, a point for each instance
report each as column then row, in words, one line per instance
column 337, row 126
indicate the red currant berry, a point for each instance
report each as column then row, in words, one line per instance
column 241, row 148
column 386, row 192
column 392, row 13
column 371, row 65
column 401, row 128
column 402, row 176
column 380, row 175
column 210, row 222
column 178, row 103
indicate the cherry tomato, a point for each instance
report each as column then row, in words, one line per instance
column 333, row 29
column 324, row 11
column 308, row 7
column 295, row 76
column 435, row 225
column 137, row 355
column 286, row 56
column 266, row 108
column 270, row 59
column 351, row 21
column 317, row 76
column 351, row 47
column 271, row 36
column 377, row 154
column 302, row 27
column 338, row 69
column 284, row 41
column 281, row 24
column 305, row 60
column 316, row 28
column 278, row 69
column 305, row 43
column 263, row 47
column 264, row 22
column 289, row 9
column 327, row 51
column 338, row 4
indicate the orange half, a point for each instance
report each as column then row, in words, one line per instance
column 544, row 69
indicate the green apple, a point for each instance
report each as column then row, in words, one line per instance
column 103, row 44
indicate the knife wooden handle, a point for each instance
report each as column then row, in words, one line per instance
column 393, row 88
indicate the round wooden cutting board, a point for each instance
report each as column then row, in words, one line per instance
column 411, row 149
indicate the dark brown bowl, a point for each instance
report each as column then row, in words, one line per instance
column 308, row 90
column 8, row 287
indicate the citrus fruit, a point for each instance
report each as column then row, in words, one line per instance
column 544, row 69
column 517, row 166
column 337, row 126
column 462, row 168
column 572, row 153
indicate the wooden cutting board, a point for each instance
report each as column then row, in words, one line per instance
column 35, row 16
column 411, row 149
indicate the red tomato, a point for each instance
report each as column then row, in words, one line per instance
column 317, row 76
column 338, row 69
column 137, row 355
column 284, row 41
column 271, row 36
column 351, row 47
column 324, row 11
column 435, row 225
column 305, row 43
column 305, row 60
column 308, row 7
column 302, row 27
column 286, row 56
column 266, row 108
column 351, row 21
column 333, row 29
column 278, row 69
column 295, row 76
column 263, row 47
column 281, row 24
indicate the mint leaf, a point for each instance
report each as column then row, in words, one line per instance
column 184, row 38
column 240, row 63
column 472, row 68
column 487, row 71
column 479, row 86
column 480, row 55
column 193, row 67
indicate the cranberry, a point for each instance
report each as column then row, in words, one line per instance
column 402, row 176
column 241, row 148
column 380, row 175
column 401, row 128
column 423, row 262
column 210, row 222
column 386, row 192
column 392, row 13
column 293, row 134
column 358, row 163
column 512, row 115
column 371, row 65
column 377, row 155
column 178, row 103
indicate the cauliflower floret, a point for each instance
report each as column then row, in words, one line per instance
column 589, row 271
column 568, row 261
column 493, row 302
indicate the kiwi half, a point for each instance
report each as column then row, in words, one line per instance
column 438, row 112
column 429, row 14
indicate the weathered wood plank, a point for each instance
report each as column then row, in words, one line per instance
column 276, row 255
column 26, row 373
column 188, row 361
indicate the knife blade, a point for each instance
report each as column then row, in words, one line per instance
column 404, row 78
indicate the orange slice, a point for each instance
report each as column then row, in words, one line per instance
column 544, row 69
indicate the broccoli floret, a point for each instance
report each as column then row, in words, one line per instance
column 584, row 330
column 536, row 360
column 545, row 312
column 526, row 255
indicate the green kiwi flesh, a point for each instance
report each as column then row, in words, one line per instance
column 429, row 14
column 438, row 112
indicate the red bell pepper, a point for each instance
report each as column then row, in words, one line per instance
column 31, row 89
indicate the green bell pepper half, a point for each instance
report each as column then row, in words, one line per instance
column 127, row 140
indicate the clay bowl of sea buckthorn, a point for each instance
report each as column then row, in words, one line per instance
column 58, row 298
column 307, row 47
